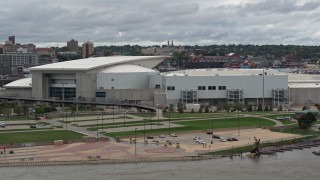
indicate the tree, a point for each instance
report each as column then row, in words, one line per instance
column 304, row 108
column 226, row 107
column 238, row 106
column 266, row 108
column 17, row 110
column 171, row 107
column 280, row 108
column 180, row 107
column 306, row 120
column 259, row 107
column 271, row 108
column 206, row 110
column 200, row 109
column 250, row 108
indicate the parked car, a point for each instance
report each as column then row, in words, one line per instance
column 222, row 140
column 286, row 118
column 173, row 135
column 196, row 138
column 215, row 136
column 279, row 118
column 161, row 136
column 202, row 142
column 150, row 137
column 234, row 139
column 209, row 132
column 33, row 126
column 3, row 125
column 155, row 140
column 229, row 139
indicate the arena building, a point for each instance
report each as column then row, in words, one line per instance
column 131, row 79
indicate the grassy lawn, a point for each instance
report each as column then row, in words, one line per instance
column 203, row 115
column 129, row 125
column 38, row 136
column 227, row 123
column 276, row 115
column 287, row 122
column 15, row 118
column 202, row 125
column 295, row 129
column 147, row 115
column 31, row 129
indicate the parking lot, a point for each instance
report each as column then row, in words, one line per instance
column 186, row 140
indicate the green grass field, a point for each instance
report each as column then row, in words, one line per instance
column 146, row 115
column 227, row 123
column 202, row 125
column 38, row 136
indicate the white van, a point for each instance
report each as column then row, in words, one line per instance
column 3, row 125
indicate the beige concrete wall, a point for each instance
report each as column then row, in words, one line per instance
column 302, row 96
column 21, row 92
column 86, row 84
column 130, row 94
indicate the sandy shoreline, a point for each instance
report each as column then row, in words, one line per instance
column 126, row 150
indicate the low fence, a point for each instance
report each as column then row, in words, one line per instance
column 46, row 143
column 107, row 161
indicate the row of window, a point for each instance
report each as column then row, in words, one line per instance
column 200, row 88
column 58, row 92
column 171, row 88
column 203, row 88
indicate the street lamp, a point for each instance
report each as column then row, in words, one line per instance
column 66, row 120
column 97, row 127
column 211, row 130
column 113, row 115
column 135, row 141
column 124, row 117
column 144, row 130
column 158, row 115
column 169, row 122
column 102, row 121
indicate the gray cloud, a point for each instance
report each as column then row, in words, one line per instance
column 148, row 22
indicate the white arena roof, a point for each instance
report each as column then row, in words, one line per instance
column 127, row 68
column 222, row 72
column 96, row 62
column 304, row 85
column 20, row 83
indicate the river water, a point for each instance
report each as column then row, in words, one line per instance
column 292, row 165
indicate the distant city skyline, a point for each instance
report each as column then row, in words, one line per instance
column 143, row 22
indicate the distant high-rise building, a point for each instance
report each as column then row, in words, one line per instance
column 12, row 39
column 10, row 48
column 72, row 45
column 5, row 64
column 87, row 49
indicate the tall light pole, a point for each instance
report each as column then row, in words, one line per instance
column 113, row 115
column 74, row 117
column 211, row 129
column 97, row 127
column 238, row 124
column 124, row 117
column 102, row 121
column 144, row 130
column 150, row 119
column 158, row 115
column 66, row 121
column 169, row 122
column 263, row 89
column 135, row 141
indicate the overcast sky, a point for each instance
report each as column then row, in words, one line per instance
column 148, row 22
